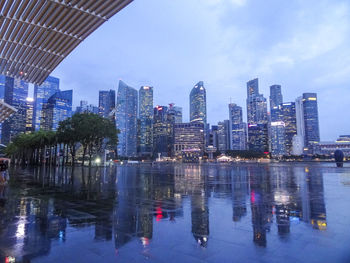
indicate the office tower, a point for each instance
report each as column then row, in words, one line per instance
column 146, row 120
column 237, row 128
column 163, row 124
column 106, row 103
column 299, row 139
column 257, row 118
column 223, row 141
column 176, row 111
column 290, row 124
column 87, row 108
column 310, row 110
column 198, row 104
column 41, row 94
column 213, row 136
column 126, row 120
column 57, row 108
column 29, row 115
column 188, row 137
column 15, row 94
column 277, row 126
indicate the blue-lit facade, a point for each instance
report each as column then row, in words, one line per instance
column 146, row 121
column 290, row 122
column 163, row 125
column 126, row 120
column 57, row 109
column 237, row 128
column 277, row 126
column 198, row 104
column 311, row 124
column 41, row 95
column 15, row 94
column 177, row 112
column 106, row 103
column 257, row 118
column 84, row 107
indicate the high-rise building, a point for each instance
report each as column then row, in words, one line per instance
column 126, row 120
column 29, row 115
column 257, row 117
column 310, row 110
column 237, row 128
column 198, row 104
column 223, row 136
column 106, row 103
column 290, row 122
column 176, row 111
column 84, row 107
column 299, row 140
column 188, row 137
column 57, row 108
column 213, row 135
column 41, row 95
column 146, row 120
column 16, row 93
column 163, row 125
column 277, row 126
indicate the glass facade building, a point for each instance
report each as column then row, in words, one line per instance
column 29, row 115
column 41, row 95
column 198, row 104
column 126, row 120
column 223, row 136
column 84, row 107
column 237, row 128
column 188, row 138
column 15, row 94
column 258, row 137
column 163, row 128
column 176, row 111
column 146, row 121
column 106, row 103
column 290, row 122
column 311, row 124
column 57, row 109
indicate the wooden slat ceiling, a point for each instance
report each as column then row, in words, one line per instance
column 5, row 111
column 36, row 35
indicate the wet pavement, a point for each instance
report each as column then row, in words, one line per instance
column 177, row 213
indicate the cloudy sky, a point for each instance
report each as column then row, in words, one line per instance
column 173, row 44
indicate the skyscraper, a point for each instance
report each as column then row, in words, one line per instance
column 257, row 118
column 163, row 125
column 277, row 126
column 16, row 93
column 87, row 108
column 57, row 108
column 176, row 111
column 290, row 122
column 312, row 131
column 146, row 120
column 29, row 115
column 299, row 139
column 126, row 120
column 41, row 94
column 223, row 141
column 237, row 128
column 198, row 104
column 106, row 103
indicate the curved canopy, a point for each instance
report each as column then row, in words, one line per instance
column 36, row 35
column 5, row 111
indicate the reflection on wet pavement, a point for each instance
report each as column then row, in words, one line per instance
column 177, row 213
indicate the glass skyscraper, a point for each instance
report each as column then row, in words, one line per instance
column 237, row 128
column 126, row 120
column 290, row 122
column 57, row 108
column 163, row 126
column 86, row 108
column 257, row 117
column 41, row 95
column 277, row 126
column 177, row 112
column 310, row 110
column 146, row 120
column 29, row 115
column 198, row 104
column 15, row 94
column 106, row 103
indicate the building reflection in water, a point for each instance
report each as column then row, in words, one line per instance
column 123, row 204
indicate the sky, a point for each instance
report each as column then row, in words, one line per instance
column 171, row 45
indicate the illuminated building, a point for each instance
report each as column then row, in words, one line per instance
column 177, row 111
column 106, row 103
column 198, row 107
column 188, row 136
column 328, row 148
column 163, row 125
column 223, row 136
column 310, row 110
column 29, row 115
column 86, row 108
column 257, row 118
column 126, row 120
column 277, row 125
column 15, row 94
column 41, row 95
column 290, row 122
column 146, row 120
column 237, row 128
column 213, row 136
column 57, row 109
column 299, row 112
